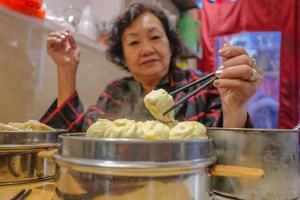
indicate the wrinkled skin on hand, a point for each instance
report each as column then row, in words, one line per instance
column 234, row 84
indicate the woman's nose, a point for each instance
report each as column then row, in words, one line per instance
column 146, row 48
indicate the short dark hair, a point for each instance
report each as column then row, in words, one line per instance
column 115, row 50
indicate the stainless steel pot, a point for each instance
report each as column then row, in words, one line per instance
column 276, row 151
column 20, row 160
column 128, row 169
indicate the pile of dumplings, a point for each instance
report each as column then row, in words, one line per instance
column 165, row 127
column 29, row 126
column 151, row 130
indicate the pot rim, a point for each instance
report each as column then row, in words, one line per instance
column 23, row 147
column 137, row 169
column 25, row 139
column 256, row 130
column 74, row 136
column 76, row 145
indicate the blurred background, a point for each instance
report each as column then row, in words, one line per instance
column 269, row 30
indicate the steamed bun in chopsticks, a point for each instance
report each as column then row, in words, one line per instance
column 154, row 130
column 188, row 130
column 159, row 101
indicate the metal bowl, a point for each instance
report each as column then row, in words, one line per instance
column 19, row 156
column 124, row 169
column 133, row 169
column 276, row 151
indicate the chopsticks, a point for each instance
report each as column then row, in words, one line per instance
column 297, row 127
column 18, row 195
column 193, row 83
column 21, row 195
column 211, row 78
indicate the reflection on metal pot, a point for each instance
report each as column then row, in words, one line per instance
column 276, row 151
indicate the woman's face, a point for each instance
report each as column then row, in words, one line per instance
column 146, row 48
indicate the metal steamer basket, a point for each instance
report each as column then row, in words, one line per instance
column 276, row 151
column 132, row 169
column 22, row 157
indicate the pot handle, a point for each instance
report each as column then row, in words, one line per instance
column 47, row 153
column 236, row 171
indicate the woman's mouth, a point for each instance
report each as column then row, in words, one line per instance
column 148, row 62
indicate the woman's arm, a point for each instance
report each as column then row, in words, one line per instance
column 69, row 115
column 64, row 51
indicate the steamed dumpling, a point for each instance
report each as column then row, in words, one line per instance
column 31, row 125
column 188, row 130
column 124, row 128
column 99, row 128
column 154, row 130
column 171, row 124
column 5, row 127
column 159, row 101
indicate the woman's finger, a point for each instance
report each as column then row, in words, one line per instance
column 239, row 60
column 72, row 42
column 53, row 40
column 239, row 85
column 57, row 40
column 54, row 43
column 59, row 34
column 243, row 72
column 229, row 51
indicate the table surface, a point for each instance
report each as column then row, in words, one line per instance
column 40, row 190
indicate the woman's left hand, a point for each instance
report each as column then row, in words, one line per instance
column 237, row 81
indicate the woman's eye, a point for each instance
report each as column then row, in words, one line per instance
column 133, row 43
column 155, row 37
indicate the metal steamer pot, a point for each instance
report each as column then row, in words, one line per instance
column 132, row 169
column 22, row 157
column 276, row 151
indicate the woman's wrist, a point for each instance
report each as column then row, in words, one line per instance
column 66, row 83
column 234, row 117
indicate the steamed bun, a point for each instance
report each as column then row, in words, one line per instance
column 31, row 125
column 5, row 127
column 188, row 130
column 99, row 128
column 124, row 128
column 154, row 130
column 159, row 101
column 171, row 124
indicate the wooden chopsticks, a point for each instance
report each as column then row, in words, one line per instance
column 22, row 194
column 211, row 78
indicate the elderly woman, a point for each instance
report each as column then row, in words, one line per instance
column 143, row 42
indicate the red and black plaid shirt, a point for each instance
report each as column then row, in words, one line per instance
column 124, row 99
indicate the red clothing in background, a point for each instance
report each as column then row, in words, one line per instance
column 256, row 16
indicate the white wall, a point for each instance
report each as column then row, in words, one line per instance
column 28, row 81
column 102, row 10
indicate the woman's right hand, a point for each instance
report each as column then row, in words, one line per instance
column 64, row 51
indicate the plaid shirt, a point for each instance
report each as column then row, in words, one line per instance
column 124, row 99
